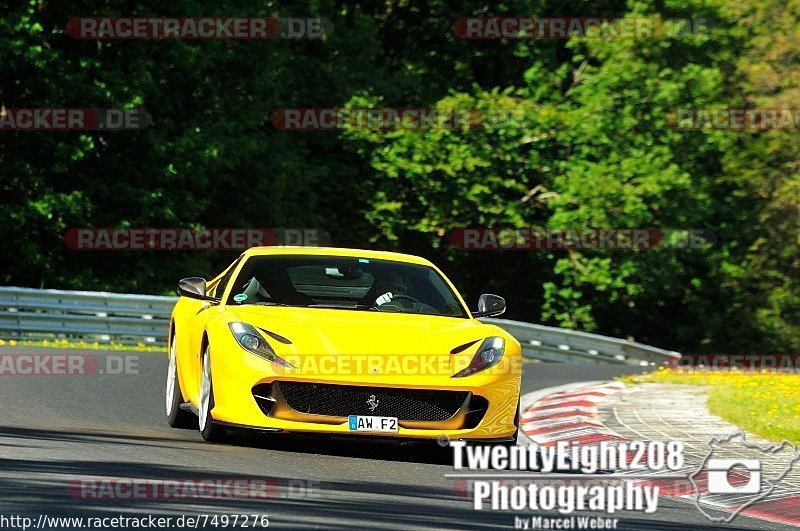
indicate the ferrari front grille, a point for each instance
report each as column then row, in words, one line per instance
column 332, row 400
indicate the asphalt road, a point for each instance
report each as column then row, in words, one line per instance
column 57, row 432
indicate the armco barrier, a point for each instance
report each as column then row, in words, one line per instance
column 27, row 313
column 547, row 343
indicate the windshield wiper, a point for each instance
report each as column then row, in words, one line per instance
column 266, row 303
column 363, row 307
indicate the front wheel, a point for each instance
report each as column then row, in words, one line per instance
column 208, row 429
column 176, row 417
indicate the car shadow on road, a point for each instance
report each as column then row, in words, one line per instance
column 360, row 448
column 344, row 446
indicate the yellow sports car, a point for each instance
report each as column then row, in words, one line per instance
column 339, row 341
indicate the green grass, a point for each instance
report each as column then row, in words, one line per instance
column 764, row 403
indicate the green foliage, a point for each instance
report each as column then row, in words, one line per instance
column 573, row 134
column 595, row 148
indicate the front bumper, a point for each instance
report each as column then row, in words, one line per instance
column 485, row 410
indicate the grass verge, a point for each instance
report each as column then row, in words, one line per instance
column 764, row 403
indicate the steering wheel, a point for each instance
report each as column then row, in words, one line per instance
column 406, row 297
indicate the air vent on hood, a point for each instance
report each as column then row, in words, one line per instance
column 462, row 348
column 275, row 336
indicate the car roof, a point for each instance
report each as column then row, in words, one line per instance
column 336, row 251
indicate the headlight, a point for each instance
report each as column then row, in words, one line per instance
column 251, row 340
column 489, row 354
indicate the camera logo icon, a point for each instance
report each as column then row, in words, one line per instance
column 723, row 477
column 736, row 481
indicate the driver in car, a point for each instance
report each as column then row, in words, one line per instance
column 391, row 287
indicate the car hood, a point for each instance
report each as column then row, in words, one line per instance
column 321, row 331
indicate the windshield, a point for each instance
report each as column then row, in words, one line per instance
column 346, row 283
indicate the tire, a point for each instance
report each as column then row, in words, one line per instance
column 208, row 429
column 176, row 417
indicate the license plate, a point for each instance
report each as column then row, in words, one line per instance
column 379, row 424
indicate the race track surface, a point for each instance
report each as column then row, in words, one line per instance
column 57, row 430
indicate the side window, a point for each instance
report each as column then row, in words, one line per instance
column 219, row 288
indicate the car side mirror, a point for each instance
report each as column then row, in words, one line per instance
column 490, row 305
column 194, row 288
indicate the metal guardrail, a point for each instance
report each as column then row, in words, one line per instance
column 27, row 313
column 547, row 343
